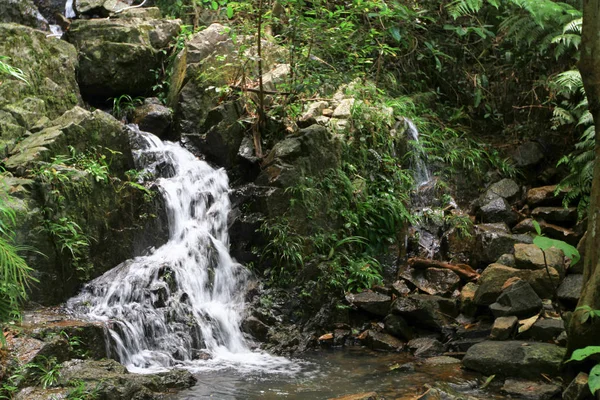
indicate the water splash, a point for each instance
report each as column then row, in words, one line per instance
column 69, row 10
column 421, row 173
column 181, row 305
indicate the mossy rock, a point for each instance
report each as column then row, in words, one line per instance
column 49, row 66
column 23, row 12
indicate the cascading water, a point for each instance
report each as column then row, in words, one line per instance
column 69, row 11
column 421, row 173
column 182, row 304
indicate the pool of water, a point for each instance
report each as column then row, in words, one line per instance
column 333, row 373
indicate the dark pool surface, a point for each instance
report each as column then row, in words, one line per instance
column 334, row 373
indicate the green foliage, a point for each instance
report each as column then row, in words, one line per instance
column 545, row 243
column 587, row 313
column 15, row 274
column 10, row 71
column 124, row 105
column 45, row 369
column 594, row 375
column 81, row 392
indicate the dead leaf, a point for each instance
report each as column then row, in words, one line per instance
column 510, row 281
column 327, row 336
column 527, row 323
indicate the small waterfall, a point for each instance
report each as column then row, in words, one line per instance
column 69, row 10
column 181, row 305
column 421, row 173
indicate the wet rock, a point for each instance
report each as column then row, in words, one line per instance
column 49, row 65
column 506, row 188
column 467, row 299
column 372, row 302
column 458, row 246
column 444, row 391
column 256, row 328
column 399, row 288
column 435, row 281
column 153, row 117
column 111, row 380
column 528, row 154
column 23, row 12
column 425, row 310
column 544, row 330
column 117, row 56
column 544, row 196
column 530, row 256
column 341, row 336
column 570, row 289
column 382, row 341
column 397, row 326
column 578, row 389
column 426, row 347
column 514, row 358
column 507, row 259
column 530, row 390
column 519, row 299
column 559, row 215
column 495, row 275
column 504, row 328
column 497, row 209
column 493, row 240
column 441, row 360
column 359, row 396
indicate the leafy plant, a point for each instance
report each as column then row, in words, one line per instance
column 10, row 71
column 594, row 375
column 124, row 105
column 46, row 369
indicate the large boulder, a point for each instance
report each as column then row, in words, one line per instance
column 558, row 215
column 23, row 12
column 49, row 66
column 432, row 312
column 530, row 256
column 494, row 276
column 118, row 56
column 497, row 209
column 519, row 299
column 528, row 154
column 372, row 302
column 494, row 240
column 436, row 281
column 514, row 358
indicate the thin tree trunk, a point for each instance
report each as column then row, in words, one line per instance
column 259, row 128
column 583, row 334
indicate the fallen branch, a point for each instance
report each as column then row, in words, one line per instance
column 463, row 270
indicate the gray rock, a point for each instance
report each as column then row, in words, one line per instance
column 514, row 358
column 519, row 299
column 399, row 288
column 256, row 328
column 530, row 256
column 531, row 390
column 559, row 215
column 425, row 310
column 442, row 360
column 544, row 330
column 495, row 275
column 153, row 117
column 570, row 289
column 467, row 299
column 97, row 8
column 397, row 326
column 383, row 341
column 435, row 281
column 544, row 196
column 426, row 347
column 507, row 259
column 23, row 12
column 506, row 188
column 372, row 302
column 578, row 389
column 493, row 240
column 504, row 328
column 528, row 154
column 344, row 109
column 497, row 209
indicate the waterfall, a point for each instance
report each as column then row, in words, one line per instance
column 421, row 173
column 69, row 11
column 181, row 305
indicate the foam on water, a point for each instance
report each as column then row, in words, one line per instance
column 183, row 304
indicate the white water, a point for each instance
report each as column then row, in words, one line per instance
column 69, row 11
column 421, row 173
column 183, row 304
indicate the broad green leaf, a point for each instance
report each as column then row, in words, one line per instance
column 214, row 5
column 581, row 354
column 594, row 379
column 570, row 252
column 229, row 11
column 537, row 227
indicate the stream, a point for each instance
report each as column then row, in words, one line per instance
column 332, row 373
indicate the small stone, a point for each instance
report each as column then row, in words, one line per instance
column 519, row 299
column 399, row 288
column 497, row 209
column 344, row 110
column 426, row 347
column 505, row 188
column 570, row 289
column 467, row 299
column 372, row 302
column 504, row 328
column 507, row 259
column 530, row 390
column 383, row 341
column 544, row 196
column 327, row 112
